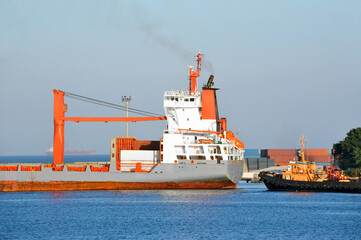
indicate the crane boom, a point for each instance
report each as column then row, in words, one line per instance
column 60, row 108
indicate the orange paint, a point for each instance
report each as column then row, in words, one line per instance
column 13, row 186
column 138, row 167
column 230, row 136
column 205, row 141
column 54, row 167
column 209, row 110
column 99, row 168
column 9, row 168
column 112, row 119
column 223, row 122
column 76, row 168
column 58, row 168
column 30, row 168
column 59, row 112
column 123, row 143
column 193, row 75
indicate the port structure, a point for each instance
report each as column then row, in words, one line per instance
column 60, row 108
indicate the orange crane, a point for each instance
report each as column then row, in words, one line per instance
column 60, row 108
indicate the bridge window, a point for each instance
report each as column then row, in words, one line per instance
column 202, row 157
column 218, row 150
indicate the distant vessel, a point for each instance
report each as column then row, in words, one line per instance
column 302, row 176
column 196, row 150
column 50, row 151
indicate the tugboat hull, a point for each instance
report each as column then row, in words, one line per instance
column 274, row 183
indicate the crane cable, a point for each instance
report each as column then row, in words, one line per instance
column 111, row 105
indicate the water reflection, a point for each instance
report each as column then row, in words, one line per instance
column 58, row 195
column 195, row 195
column 300, row 193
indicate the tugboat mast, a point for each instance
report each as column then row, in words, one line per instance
column 302, row 151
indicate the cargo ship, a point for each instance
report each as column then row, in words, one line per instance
column 302, row 176
column 196, row 151
column 50, row 151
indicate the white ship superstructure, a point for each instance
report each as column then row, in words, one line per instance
column 195, row 131
column 191, row 137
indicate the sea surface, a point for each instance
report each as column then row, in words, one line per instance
column 248, row 212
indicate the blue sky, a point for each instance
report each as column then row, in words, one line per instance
column 283, row 67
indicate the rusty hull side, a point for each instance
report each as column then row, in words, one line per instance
column 14, row 186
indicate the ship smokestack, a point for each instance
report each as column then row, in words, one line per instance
column 210, row 82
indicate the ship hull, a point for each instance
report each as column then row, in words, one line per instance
column 12, row 186
column 163, row 176
column 277, row 184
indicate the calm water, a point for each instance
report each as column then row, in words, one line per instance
column 248, row 212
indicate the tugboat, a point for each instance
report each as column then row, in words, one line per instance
column 302, row 176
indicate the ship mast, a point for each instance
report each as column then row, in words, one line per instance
column 302, row 151
column 193, row 75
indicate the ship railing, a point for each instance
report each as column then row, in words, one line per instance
column 170, row 103
column 132, row 166
column 176, row 93
column 180, row 93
